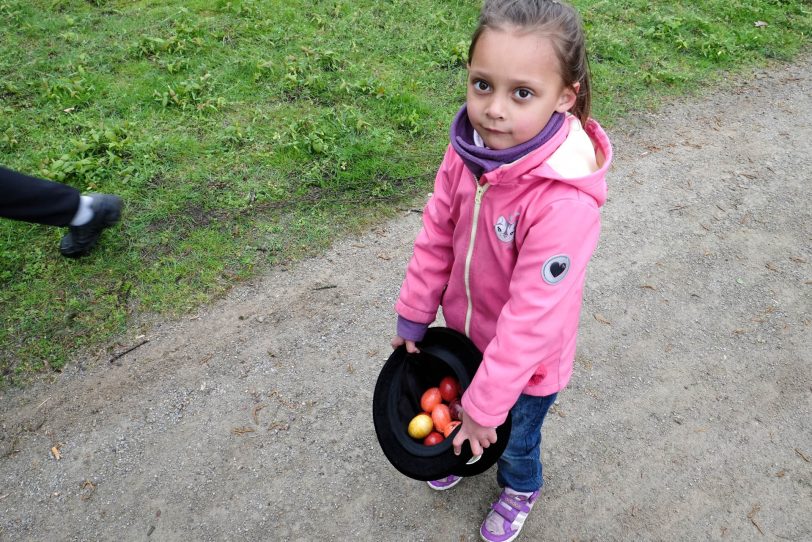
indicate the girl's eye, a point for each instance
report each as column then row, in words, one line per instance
column 481, row 85
column 523, row 93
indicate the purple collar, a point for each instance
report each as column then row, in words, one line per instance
column 481, row 160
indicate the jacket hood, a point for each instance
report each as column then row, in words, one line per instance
column 576, row 155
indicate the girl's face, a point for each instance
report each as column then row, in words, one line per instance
column 514, row 86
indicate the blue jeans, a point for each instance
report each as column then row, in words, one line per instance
column 519, row 468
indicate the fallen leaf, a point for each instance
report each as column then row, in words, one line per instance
column 56, row 455
column 557, row 410
column 255, row 412
column 602, row 319
column 780, row 474
column 240, row 431
column 90, row 487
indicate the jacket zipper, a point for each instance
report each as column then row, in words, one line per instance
column 480, row 192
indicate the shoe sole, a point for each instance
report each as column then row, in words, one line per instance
column 511, row 539
column 449, row 486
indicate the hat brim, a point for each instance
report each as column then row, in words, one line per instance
column 401, row 382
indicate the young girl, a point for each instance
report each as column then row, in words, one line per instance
column 507, row 234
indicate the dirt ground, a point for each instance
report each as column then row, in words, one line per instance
column 689, row 416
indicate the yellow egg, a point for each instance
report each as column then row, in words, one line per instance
column 420, row 426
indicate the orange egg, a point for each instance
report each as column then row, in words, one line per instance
column 441, row 417
column 450, row 428
column 430, row 399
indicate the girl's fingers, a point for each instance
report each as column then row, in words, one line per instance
column 457, row 443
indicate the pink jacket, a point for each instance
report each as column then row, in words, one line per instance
column 506, row 258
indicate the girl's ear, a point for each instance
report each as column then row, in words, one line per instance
column 569, row 95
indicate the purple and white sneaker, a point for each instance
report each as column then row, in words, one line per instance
column 505, row 520
column 445, row 483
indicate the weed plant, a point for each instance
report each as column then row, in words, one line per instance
column 244, row 134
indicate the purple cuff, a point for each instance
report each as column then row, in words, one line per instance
column 411, row 331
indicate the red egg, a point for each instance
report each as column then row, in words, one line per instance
column 433, row 438
column 455, row 407
column 449, row 389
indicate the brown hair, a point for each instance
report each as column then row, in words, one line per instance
column 558, row 21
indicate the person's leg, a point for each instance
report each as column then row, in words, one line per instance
column 518, row 471
column 31, row 199
column 519, row 467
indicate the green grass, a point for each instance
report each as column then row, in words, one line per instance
column 244, row 134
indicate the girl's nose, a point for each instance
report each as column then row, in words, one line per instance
column 496, row 108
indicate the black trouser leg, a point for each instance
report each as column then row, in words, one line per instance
column 36, row 200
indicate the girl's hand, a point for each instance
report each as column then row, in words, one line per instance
column 410, row 345
column 478, row 435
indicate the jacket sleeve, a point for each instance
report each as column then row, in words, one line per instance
column 539, row 321
column 429, row 268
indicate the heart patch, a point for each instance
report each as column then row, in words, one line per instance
column 555, row 269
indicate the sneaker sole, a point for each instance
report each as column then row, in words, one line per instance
column 511, row 539
column 443, row 488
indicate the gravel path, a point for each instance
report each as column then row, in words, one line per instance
column 689, row 416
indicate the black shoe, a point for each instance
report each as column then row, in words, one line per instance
column 80, row 239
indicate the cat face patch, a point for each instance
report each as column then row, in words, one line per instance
column 555, row 269
column 506, row 231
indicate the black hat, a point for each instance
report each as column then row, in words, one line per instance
column 402, row 381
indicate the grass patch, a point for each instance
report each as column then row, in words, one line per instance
column 244, row 134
